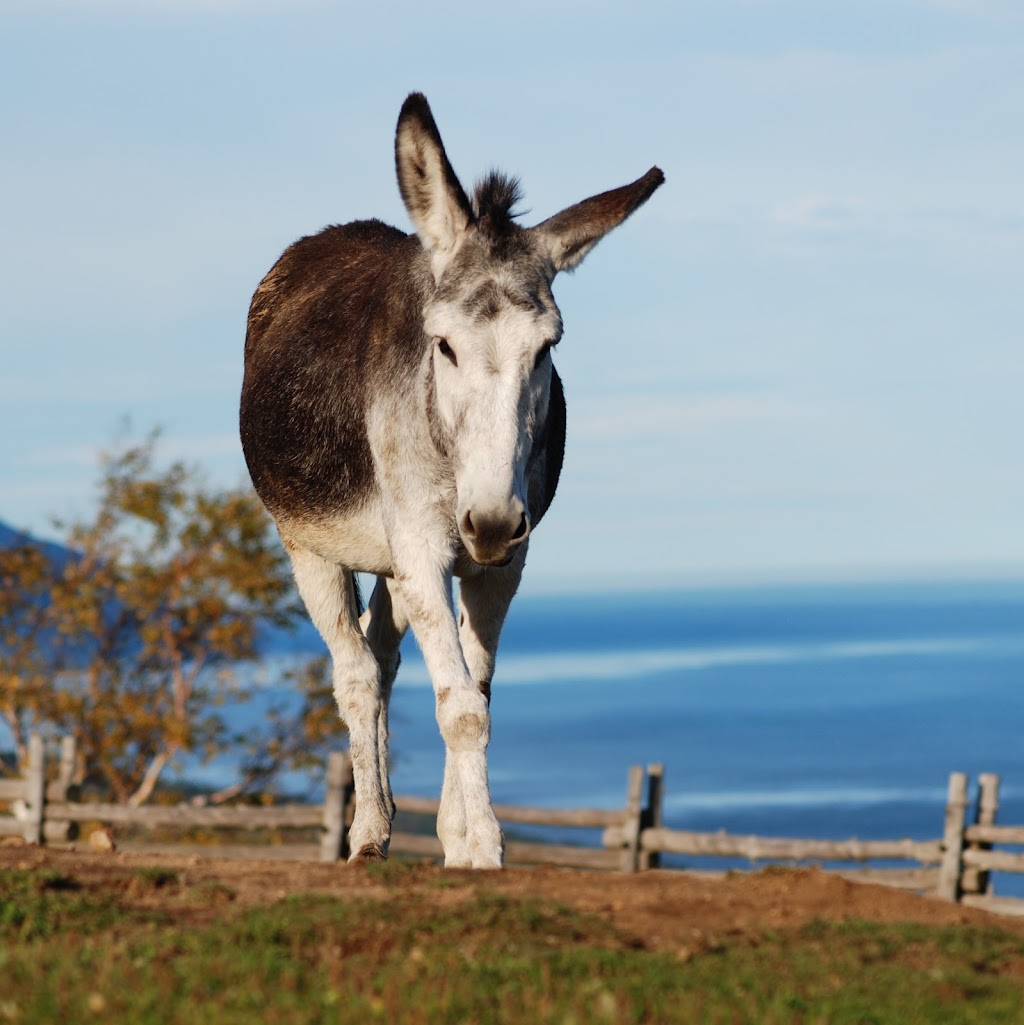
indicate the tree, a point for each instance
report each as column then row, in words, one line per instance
column 297, row 734
column 132, row 642
column 27, row 643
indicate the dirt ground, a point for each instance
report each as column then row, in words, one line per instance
column 661, row 909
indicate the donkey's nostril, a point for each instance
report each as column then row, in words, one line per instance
column 521, row 529
column 468, row 528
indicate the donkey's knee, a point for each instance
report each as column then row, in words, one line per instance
column 357, row 684
column 464, row 719
column 359, row 698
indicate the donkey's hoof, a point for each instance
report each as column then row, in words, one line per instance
column 368, row 853
column 491, row 861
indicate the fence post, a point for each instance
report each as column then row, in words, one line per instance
column 35, row 790
column 976, row 880
column 332, row 843
column 68, row 758
column 652, row 814
column 60, row 791
column 631, row 828
column 953, row 838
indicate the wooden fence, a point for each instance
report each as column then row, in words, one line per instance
column 50, row 813
column 36, row 795
column 957, row 866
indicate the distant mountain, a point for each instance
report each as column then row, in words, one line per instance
column 59, row 556
column 10, row 537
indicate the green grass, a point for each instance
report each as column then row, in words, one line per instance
column 68, row 953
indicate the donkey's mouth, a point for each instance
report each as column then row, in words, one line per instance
column 490, row 559
column 503, row 561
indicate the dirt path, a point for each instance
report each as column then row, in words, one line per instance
column 668, row 910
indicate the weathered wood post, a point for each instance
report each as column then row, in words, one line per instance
column 634, row 810
column 977, row 880
column 35, row 790
column 332, row 843
column 652, row 813
column 953, row 838
column 60, row 791
column 68, row 763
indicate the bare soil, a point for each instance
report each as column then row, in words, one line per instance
column 669, row 910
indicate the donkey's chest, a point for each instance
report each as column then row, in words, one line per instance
column 363, row 535
column 355, row 539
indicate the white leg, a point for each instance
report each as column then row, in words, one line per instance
column 329, row 594
column 466, row 824
column 484, row 601
column 384, row 624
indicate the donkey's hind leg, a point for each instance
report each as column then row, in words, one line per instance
column 384, row 624
column 330, row 596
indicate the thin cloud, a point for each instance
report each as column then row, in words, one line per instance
column 68, row 455
column 168, row 448
column 817, row 211
column 634, row 417
column 203, row 447
column 157, row 7
column 989, row 10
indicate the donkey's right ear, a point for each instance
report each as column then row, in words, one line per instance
column 436, row 202
column 570, row 235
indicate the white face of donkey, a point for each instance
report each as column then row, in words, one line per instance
column 493, row 321
column 492, row 327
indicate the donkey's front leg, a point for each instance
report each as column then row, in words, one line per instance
column 466, row 824
column 484, row 599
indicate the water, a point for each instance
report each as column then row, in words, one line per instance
column 801, row 712
column 794, row 707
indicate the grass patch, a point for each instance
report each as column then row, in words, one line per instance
column 38, row 906
column 157, row 878
column 866, row 973
column 433, row 957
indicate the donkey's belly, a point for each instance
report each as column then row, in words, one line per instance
column 355, row 540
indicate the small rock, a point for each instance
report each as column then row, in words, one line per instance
column 102, row 840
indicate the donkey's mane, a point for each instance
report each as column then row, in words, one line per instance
column 494, row 203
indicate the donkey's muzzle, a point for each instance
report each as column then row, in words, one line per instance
column 492, row 538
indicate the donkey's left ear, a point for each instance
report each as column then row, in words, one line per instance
column 436, row 202
column 571, row 234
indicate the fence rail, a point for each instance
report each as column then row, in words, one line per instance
column 761, row 848
column 957, row 866
column 281, row 816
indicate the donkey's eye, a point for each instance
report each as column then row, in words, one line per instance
column 539, row 358
column 447, row 351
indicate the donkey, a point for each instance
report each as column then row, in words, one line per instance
column 401, row 416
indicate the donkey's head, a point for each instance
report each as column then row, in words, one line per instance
column 492, row 321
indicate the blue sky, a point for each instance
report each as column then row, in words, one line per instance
column 802, row 357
